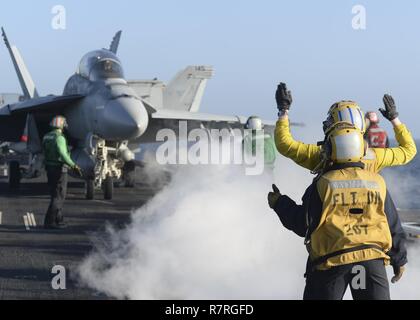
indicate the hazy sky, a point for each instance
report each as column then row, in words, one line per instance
column 251, row 44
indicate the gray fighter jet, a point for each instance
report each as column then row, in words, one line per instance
column 108, row 116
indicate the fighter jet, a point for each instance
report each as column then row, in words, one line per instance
column 107, row 116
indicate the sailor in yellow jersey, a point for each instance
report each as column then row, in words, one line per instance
column 309, row 156
column 350, row 224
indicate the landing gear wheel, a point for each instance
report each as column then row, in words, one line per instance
column 14, row 175
column 90, row 189
column 108, row 187
column 130, row 174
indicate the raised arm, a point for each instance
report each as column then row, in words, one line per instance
column 406, row 150
column 305, row 155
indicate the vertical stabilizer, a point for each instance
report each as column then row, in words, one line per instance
column 25, row 79
column 115, row 42
column 186, row 90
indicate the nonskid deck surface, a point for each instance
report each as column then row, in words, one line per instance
column 29, row 252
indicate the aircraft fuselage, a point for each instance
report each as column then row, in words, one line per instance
column 110, row 110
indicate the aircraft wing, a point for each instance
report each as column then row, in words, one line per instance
column 167, row 114
column 39, row 104
column 13, row 117
column 207, row 117
column 170, row 119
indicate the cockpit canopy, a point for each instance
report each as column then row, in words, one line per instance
column 100, row 65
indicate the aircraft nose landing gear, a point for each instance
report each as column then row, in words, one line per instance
column 107, row 168
column 107, row 187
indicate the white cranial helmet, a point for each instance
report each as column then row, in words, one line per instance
column 254, row 123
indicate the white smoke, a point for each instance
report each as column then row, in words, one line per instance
column 209, row 234
column 152, row 174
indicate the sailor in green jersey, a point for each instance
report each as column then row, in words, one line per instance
column 57, row 161
column 250, row 142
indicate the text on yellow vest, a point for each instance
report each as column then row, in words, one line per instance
column 353, row 215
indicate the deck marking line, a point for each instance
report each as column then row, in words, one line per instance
column 29, row 220
column 32, row 219
column 26, row 222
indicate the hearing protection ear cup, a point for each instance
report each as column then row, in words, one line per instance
column 344, row 143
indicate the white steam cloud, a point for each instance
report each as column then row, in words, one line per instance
column 209, row 234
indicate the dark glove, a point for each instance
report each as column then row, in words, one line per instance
column 273, row 197
column 398, row 273
column 390, row 111
column 78, row 170
column 283, row 97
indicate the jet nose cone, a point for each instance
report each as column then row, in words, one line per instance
column 125, row 118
